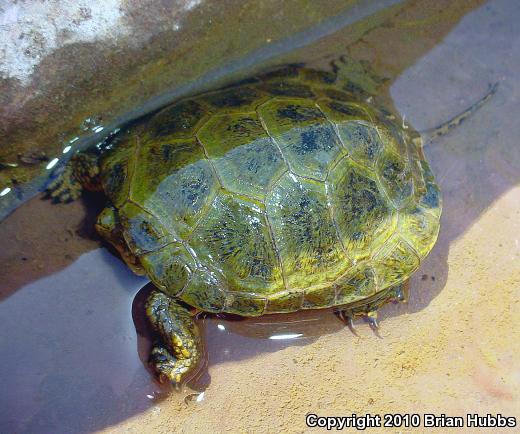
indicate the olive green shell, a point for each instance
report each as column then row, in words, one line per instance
column 281, row 193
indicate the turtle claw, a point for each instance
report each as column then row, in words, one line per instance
column 348, row 319
column 350, row 324
column 401, row 294
column 372, row 319
column 167, row 367
column 65, row 188
column 81, row 172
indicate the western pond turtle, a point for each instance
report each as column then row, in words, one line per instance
column 283, row 192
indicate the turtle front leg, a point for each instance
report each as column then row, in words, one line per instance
column 81, row 172
column 178, row 349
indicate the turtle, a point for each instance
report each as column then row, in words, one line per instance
column 289, row 190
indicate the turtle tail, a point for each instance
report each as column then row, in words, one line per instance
column 431, row 134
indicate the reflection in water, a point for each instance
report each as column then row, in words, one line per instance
column 69, row 356
column 68, row 349
column 287, row 336
column 5, row 191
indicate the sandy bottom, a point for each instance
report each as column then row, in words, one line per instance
column 457, row 355
column 72, row 361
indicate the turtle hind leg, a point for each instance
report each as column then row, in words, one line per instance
column 81, row 172
column 178, row 349
column 357, row 76
column 368, row 308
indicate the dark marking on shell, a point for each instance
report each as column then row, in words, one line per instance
column 299, row 113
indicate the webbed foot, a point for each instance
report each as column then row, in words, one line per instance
column 177, row 352
column 81, row 172
column 167, row 367
column 65, row 188
column 368, row 308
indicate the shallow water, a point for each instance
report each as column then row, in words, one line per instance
column 73, row 362
column 93, row 129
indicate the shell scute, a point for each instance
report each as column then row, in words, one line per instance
column 339, row 112
column 174, row 181
column 419, row 227
column 116, row 168
column 284, row 301
column 246, row 304
column 319, row 296
column 235, row 238
column 142, row 231
column 177, row 121
column 241, row 99
column 304, row 135
column 431, row 198
column 361, row 211
column 304, row 233
column 318, row 77
column 396, row 177
column 204, row 291
column 357, row 283
column 170, row 267
column 287, row 89
column 162, row 159
column 244, row 156
column 362, row 142
column 395, row 262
